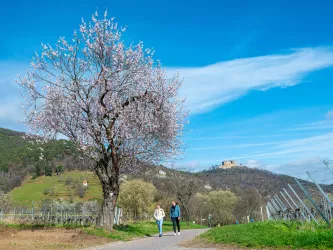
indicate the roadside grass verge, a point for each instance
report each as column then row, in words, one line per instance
column 272, row 234
column 136, row 230
column 120, row 233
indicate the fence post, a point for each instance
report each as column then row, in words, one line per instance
column 275, row 205
column 321, row 190
column 32, row 211
column 296, row 206
column 306, row 208
column 271, row 207
column 280, row 201
column 268, row 213
column 313, row 202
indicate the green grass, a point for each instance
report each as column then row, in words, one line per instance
column 33, row 189
column 136, row 230
column 272, row 234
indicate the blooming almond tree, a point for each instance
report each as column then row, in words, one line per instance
column 113, row 101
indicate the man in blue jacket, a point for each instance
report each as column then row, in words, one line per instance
column 175, row 217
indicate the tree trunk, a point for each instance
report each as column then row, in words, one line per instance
column 108, row 210
column 187, row 218
column 108, row 174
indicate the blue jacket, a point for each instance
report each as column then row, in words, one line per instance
column 175, row 211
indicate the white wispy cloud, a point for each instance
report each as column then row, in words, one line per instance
column 320, row 125
column 208, row 87
column 248, row 145
column 255, row 164
column 311, row 146
column 327, row 123
column 329, row 115
column 314, row 166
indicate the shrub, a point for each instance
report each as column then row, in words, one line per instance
column 80, row 191
column 69, row 181
column 136, row 198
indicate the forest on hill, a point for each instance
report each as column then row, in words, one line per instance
column 20, row 158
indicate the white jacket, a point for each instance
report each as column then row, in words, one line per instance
column 159, row 214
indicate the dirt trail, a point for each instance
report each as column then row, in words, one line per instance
column 47, row 239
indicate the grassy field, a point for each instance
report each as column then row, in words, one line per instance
column 272, row 234
column 34, row 189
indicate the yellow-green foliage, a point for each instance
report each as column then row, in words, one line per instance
column 136, row 197
column 222, row 205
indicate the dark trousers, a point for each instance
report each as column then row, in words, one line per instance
column 175, row 222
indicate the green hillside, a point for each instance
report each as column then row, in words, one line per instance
column 18, row 152
column 64, row 187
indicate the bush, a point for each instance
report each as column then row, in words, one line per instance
column 69, row 181
column 136, row 198
column 46, row 191
column 52, row 192
column 48, row 170
column 91, row 208
column 59, row 169
column 80, row 191
column 5, row 201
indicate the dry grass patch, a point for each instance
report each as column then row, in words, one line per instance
column 49, row 238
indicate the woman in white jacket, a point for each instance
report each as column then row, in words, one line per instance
column 159, row 215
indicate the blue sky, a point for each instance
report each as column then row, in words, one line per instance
column 257, row 74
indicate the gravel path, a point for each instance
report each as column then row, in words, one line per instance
column 168, row 241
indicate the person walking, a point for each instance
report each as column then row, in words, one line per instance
column 159, row 215
column 175, row 217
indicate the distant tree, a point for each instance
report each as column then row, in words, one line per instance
column 59, row 169
column 48, row 171
column 113, row 101
column 221, row 206
column 15, row 181
column 5, row 201
column 214, row 167
column 248, row 202
column 136, row 197
column 184, row 187
column 80, row 190
column 200, row 209
column 38, row 169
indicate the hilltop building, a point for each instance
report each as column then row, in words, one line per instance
column 161, row 174
column 228, row 164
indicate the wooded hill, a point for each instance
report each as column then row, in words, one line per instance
column 19, row 154
column 20, row 157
